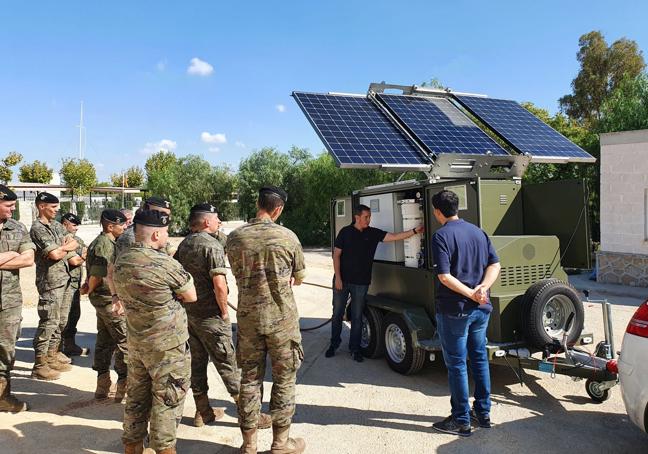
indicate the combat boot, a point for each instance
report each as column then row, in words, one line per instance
column 54, row 363
column 120, row 391
column 70, row 348
column 282, row 444
column 42, row 371
column 249, row 445
column 136, row 447
column 265, row 420
column 205, row 414
column 103, row 386
column 167, row 451
column 7, row 401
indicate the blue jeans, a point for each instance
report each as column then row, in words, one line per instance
column 465, row 335
column 356, row 308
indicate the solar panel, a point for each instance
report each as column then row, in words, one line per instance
column 523, row 130
column 440, row 125
column 356, row 132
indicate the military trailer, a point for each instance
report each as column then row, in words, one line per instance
column 478, row 147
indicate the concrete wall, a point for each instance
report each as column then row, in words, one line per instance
column 624, row 208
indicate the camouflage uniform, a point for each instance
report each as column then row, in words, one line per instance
column 13, row 237
column 126, row 240
column 52, row 283
column 111, row 329
column 209, row 335
column 264, row 257
column 159, row 363
column 74, row 295
column 221, row 237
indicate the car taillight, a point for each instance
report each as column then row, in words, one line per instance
column 612, row 366
column 639, row 322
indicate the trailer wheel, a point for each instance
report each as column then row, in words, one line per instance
column 402, row 356
column 372, row 342
column 595, row 392
column 546, row 307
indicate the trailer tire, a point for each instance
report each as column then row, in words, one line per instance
column 401, row 354
column 546, row 307
column 596, row 394
column 372, row 342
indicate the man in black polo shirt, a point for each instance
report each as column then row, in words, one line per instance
column 467, row 266
column 353, row 256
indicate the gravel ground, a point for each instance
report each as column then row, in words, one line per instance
column 342, row 406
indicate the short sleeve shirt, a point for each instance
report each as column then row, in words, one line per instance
column 50, row 273
column 13, row 237
column 100, row 253
column 464, row 251
column 147, row 281
column 358, row 250
column 203, row 257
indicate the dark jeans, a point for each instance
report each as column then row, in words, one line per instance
column 465, row 335
column 75, row 315
column 356, row 308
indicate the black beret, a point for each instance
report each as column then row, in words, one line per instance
column 7, row 194
column 203, row 208
column 113, row 216
column 158, row 202
column 46, row 197
column 152, row 218
column 283, row 195
column 71, row 217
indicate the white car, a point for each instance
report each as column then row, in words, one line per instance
column 633, row 367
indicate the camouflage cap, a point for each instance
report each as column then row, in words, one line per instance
column 72, row 218
column 46, row 197
column 152, row 218
column 158, row 202
column 7, row 194
column 283, row 195
column 203, row 208
column 113, row 216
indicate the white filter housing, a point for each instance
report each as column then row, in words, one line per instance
column 412, row 218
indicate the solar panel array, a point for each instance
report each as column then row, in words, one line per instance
column 356, row 132
column 440, row 125
column 523, row 130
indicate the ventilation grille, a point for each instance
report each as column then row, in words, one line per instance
column 523, row 274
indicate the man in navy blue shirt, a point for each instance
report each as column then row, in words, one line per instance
column 353, row 256
column 467, row 266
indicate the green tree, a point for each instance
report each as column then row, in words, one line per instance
column 11, row 160
column 79, row 174
column 36, row 172
column 133, row 177
column 626, row 108
column 602, row 68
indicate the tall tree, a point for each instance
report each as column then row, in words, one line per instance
column 6, row 164
column 79, row 174
column 133, row 177
column 602, row 68
column 36, row 172
column 626, row 108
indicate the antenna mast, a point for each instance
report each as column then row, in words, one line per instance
column 81, row 135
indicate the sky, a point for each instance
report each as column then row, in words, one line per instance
column 214, row 79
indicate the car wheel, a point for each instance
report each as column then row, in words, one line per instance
column 372, row 342
column 546, row 307
column 402, row 356
column 595, row 392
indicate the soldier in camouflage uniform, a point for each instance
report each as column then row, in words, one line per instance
column 128, row 238
column 71, row 223
column 54, row 248
column 266, row 259
column 150, row 285
column 16, row 251
column 210, row 329
column 111, row 328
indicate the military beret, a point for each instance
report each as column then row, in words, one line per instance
column 203, row 208
column 7, row 194
column 283, row 195
column 158, row 202
column 152, row 218
column 71, row 217
column 113, row 216
column 46, row 197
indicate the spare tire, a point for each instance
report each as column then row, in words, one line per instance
column 546, row 307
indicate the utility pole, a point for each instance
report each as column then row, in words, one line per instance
column 81, row 135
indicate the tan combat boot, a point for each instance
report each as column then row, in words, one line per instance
column 249, row 445
column 167, row 451
column 205, row 414
column 282, row 444
column 42, row 371
column 103, row 386
column 7, row 401
column 265, row 420
column 136, row 447
column 55, row 363
column 70, row 348
column 120, row 391
column 149, row 451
